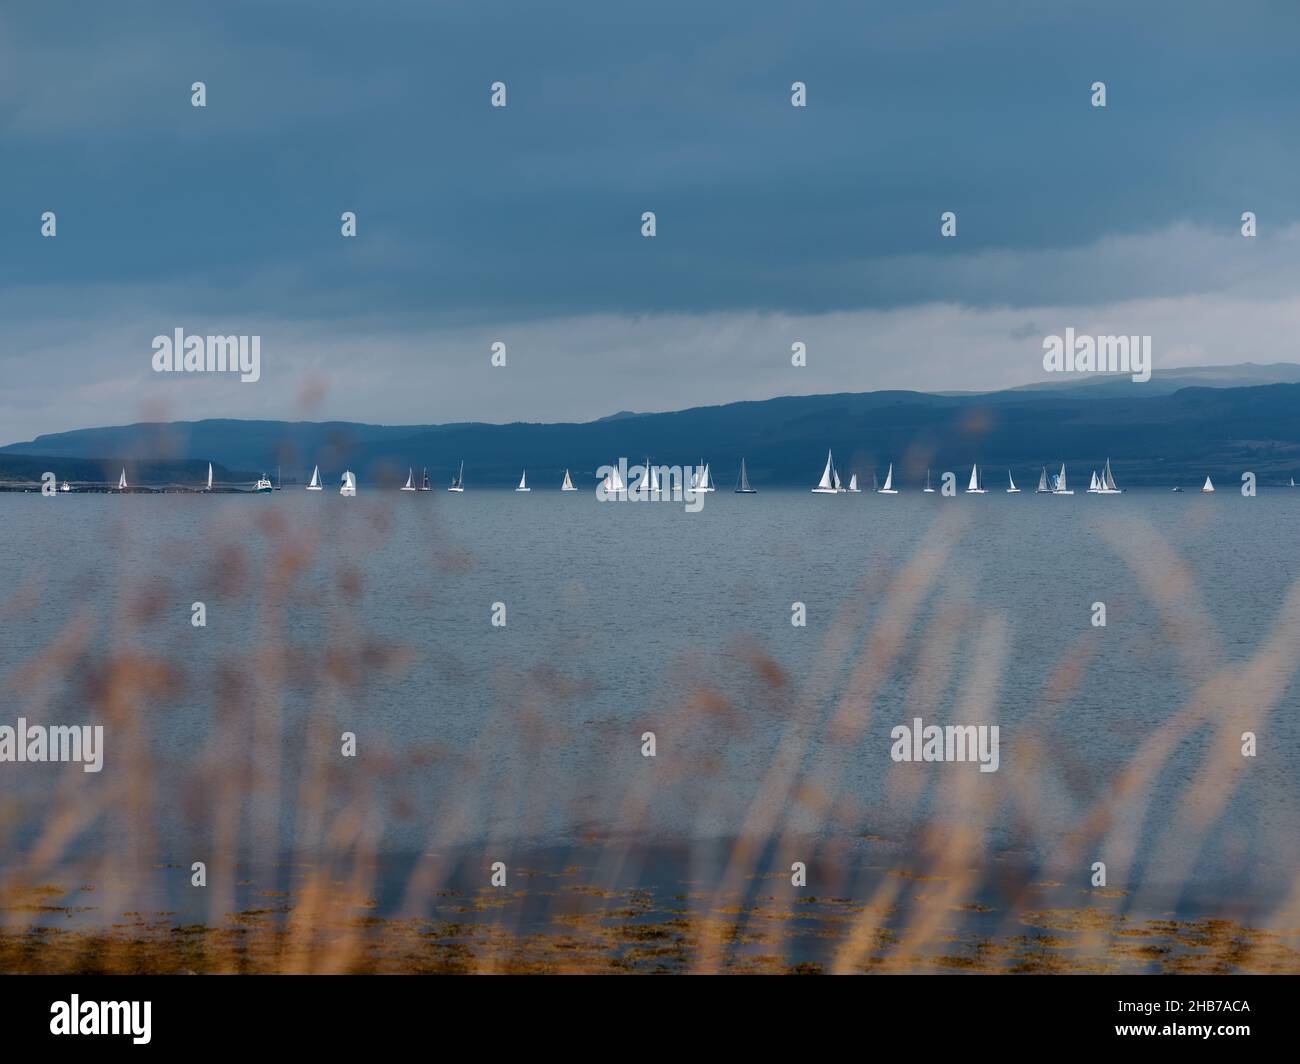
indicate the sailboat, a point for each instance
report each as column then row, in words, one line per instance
column 742, row 485
column 1042, row 488
column 209, row 487
column 315, row 484
column 650, row 482
column 1106, row 485
column 1207, row 487
column 410, row 480
column 121, row 482
column 523, row 482
column 424, row 480
column 458, row 484
column 706, row 480
column 853, row 484
column 613, row 482
column 568, row 483
column 830, row 481
column 263, row 485
column 1094, row 485
column 928, row 490
column 1060, row 488
column 66, row 486
column 889, row 488
column 1293, row 482
column 973, row 488
column 1012, row 490
column 349, row 487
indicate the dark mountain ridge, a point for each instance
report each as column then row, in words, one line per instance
column 1151, row 439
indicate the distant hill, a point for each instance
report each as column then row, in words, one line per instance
column 1151, row 438
column 1168, row 381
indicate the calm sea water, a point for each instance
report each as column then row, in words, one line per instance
column 373, row 615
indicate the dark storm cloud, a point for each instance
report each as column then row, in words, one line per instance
column 677, row 108
column 775, row 223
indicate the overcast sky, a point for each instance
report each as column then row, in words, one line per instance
column 523, row 224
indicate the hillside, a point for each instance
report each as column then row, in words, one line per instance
column 1155, row 440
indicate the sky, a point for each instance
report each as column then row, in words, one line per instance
column 522, row 224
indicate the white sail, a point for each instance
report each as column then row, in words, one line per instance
column 1042, row 481
column 349, row 484
column 973, row 488
column 458, row 485
column 410, row 480
column 889, row 489
column 928, row 489
column 568, row 483
column 742, row 485
column 209, row 476
column 315, row 484
column 1061, row 488
column 1011, row 484
column 1093, row 485
column 523, row 482
column 827, row 484
column 839, row 486
column 1107, row 486
column 1208, row 486
column 706, row 480
column 121, row 483
column 613, row 482
column 853, row 483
